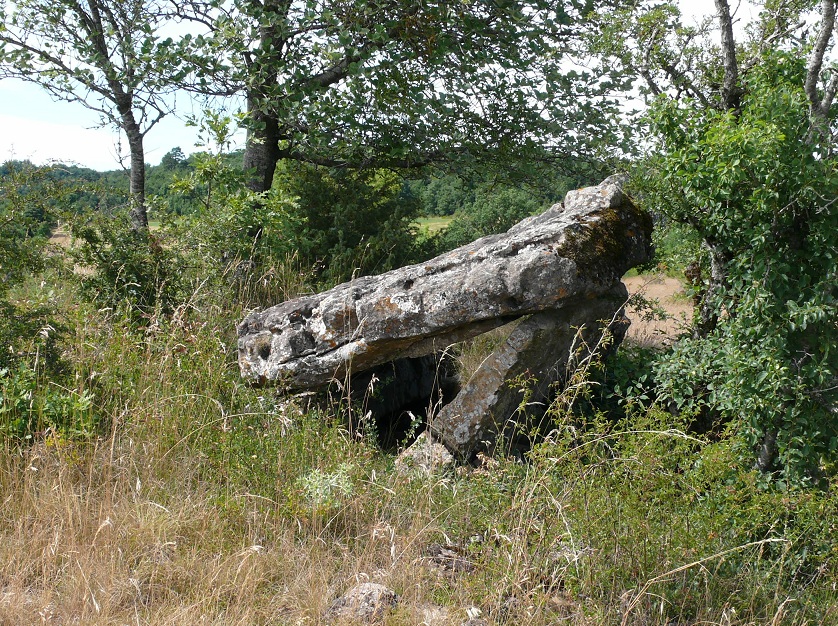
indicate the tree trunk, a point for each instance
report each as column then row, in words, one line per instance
column 731, row 93
column 708, row 312
column 767, row 452
column 261, row 153
column 137, row 213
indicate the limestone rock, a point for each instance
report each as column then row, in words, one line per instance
column 448, row 558
column 424, row 456
column 559, row 260
column 537, row 354
column 434, row 615
column 365, row 602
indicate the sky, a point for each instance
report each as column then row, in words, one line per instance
column 36, row 127
column 33, row 126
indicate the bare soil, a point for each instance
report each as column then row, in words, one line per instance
column 666, row 296
column 61, row 237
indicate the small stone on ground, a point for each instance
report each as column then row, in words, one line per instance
column 367, row 602
column 424, row 456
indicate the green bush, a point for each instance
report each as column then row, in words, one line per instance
column 676, row 247
column 757, row 187
column 30, row 405
column 138, row 270
column 26, row 220
column 494, row 210
column 675, row 526
column 348, row 222
column 238, row 231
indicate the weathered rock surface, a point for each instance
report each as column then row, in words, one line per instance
column 366, row 602
column 562, row 259
column 423, row 457
column 537, row 353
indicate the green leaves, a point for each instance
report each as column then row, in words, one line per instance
column 406, row 83
column 758, row 187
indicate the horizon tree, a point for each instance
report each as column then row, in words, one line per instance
column 108, row 56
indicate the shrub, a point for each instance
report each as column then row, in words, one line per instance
column 348, row 222
column 493, row 211
column 128, row 268
column 758, row 186
column 30, row 405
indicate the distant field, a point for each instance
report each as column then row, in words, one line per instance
column 60, row 237
column 434, row 224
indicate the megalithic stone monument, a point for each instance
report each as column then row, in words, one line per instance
column 562, row 268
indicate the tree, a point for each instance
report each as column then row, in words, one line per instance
column 104, row 54
column 386, row 83
column 174, row 160
column 744, row 153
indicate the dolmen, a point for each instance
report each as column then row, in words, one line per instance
column 556, row 275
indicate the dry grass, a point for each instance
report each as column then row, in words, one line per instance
column 191, row 511
column 87, row 538
column 106, row 533
column 129, row 530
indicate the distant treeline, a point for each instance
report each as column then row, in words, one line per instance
column 434, row 194
column 336, row 221
column 106, row 192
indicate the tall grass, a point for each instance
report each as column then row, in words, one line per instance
column 200, row 500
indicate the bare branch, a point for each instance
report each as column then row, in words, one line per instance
column 813, row 69
column 829, row 92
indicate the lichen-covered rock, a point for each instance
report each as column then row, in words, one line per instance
column 365, row 602
column 561, row 259
column 538, row 353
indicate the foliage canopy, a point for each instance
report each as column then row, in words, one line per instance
column 743, row 153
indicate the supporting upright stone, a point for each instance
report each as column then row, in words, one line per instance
column 539, row 352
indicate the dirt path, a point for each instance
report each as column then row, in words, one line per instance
column 668, row 294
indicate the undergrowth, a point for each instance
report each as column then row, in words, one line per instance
column 143, row 482
column 193, row 498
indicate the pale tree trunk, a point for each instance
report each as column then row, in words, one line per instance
column 708, row 313
column 137, row 212
column 730, row 100
column 731, row 91
column 820, row 104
